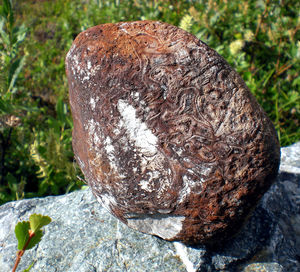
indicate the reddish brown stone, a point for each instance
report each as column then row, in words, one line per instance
column 168, row 136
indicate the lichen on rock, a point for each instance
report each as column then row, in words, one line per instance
column 166, row 132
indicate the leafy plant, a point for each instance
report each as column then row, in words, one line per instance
column 12, row 104
column 51, row 152
column 28, row 234
column 11, row 62
column 186, row 22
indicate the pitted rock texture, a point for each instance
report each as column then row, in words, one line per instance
column 167, row 134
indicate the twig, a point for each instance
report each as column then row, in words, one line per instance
column 21, row 252
column 261, row 19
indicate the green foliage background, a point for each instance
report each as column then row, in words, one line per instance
column 260, row 39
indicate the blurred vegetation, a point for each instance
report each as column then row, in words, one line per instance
column 259, row 38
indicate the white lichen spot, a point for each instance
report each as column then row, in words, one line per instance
column 107, row 201
column 70, row 53
column 165, row 93
column 90, row 126
column 117, row 131
column 81, row 71
column 186, row 189
column 92, row 103
column 108, row 145
column 135, row 96
column 152, row 161
column 89, row 65
column 145, row 185
column 80, row 162
column 123, row 29
column 97, row 140
column 138, row 131
column 95, row 136
column 206, row 170
column 110, row 151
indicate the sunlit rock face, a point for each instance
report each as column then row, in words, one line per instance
column 167, row 134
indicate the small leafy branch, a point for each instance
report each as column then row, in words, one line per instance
column 29, row 234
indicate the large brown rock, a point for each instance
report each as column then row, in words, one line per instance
column 168, row 136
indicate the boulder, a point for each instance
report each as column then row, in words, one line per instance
column 167, row 134
column 83, row 236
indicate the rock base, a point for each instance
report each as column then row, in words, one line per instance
column 84, row 237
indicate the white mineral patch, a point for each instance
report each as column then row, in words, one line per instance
column 90, row 126
column 94, row 132
column 117, row 131
column 97, row 140
column 206, row 169
column 183, row 55
column 123, row 29
column 83, row 74
column 164, row 87
column 110, row 151
column 93, row 103
column 89, row 65
column 70, row 53
column 186, row 190
column 156, row 172
column 166, row 227
column 108, row 146
column 75, row 66
column 188, row 186
column 86, row 77
column 137, row 130
column 80, row 162
column 151, row 160
column 183, row 254
column 107, row 201
column 145, row 185
column 135, row 96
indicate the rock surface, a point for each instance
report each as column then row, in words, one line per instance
column 84, row 237
column 168, row 136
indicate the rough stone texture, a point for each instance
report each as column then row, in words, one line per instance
column 84, row 237
column 168, row 136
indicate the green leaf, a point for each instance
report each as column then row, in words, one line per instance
column 6, row 7
column 7, row 11
column 35, row 239
column 5, row 106
column 22, row 233
column 61, row 110
column 2, row 23
column 18, row 34
column 29, row 267
column 14, row 72
column 4, row 36
column 21, row 33
column 37, row 221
